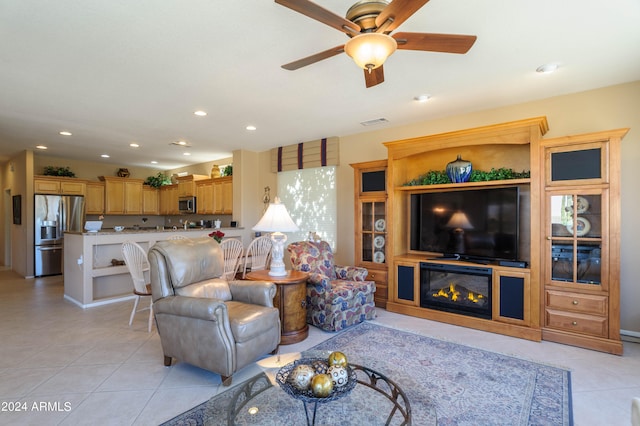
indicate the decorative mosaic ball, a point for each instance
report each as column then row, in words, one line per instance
column 321, row 367
column 300, row 377
column 339, row 375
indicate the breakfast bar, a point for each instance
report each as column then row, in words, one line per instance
column 94, row 273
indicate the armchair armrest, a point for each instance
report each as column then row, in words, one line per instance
column 351, row 273
column 253, row 292
column 321, row 282
column 191, row 307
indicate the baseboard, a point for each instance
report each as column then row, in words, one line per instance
column 630, row 336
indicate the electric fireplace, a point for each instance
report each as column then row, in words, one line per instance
column 459, row 289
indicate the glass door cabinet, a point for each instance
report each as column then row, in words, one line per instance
column 371, row 225
column 581, row 228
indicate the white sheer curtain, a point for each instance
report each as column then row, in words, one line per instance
column 310, row 198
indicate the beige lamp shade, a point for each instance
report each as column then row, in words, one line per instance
column 459, row 220
column 276, row 220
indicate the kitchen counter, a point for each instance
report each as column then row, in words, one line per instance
column 132, row 230
column 90, row 277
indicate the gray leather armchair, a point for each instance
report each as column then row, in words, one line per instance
column 204, row 320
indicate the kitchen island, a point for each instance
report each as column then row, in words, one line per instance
column 92, row 273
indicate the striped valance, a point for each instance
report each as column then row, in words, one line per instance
column 323, row 152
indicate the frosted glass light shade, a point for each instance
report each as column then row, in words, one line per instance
column 370, row 50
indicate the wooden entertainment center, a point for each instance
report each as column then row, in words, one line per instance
column 568, row 289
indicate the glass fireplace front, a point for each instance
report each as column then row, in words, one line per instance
column 459, row 289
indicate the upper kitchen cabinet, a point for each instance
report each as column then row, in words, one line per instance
column 58, row 185
column 94, row 199
column 150, row 200
column 169, row 199
column 204, row 196
column 122, row 195
column 187, row 185
column 223, row 195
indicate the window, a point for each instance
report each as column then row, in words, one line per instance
column 310, row 198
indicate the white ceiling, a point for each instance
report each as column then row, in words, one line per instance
column 120, row 71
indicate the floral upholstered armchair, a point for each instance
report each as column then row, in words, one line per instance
column 337, row 296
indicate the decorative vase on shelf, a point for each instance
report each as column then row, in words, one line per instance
column 459, row 170
column 215, row 171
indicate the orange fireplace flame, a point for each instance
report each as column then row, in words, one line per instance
column 454, row 294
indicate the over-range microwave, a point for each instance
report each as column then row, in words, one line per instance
column 187, row 204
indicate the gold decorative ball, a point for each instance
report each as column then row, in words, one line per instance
column 300, row 377
column 339, row 375
column 337, row 358
column 321, row 385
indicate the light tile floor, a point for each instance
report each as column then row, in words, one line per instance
column 68, row 366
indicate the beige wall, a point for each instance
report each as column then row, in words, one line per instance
column 603, row 109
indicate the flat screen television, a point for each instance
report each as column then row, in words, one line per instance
column 475, row 224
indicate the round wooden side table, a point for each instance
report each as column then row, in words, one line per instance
column 291, row 301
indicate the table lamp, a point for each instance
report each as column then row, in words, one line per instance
column 276, row 220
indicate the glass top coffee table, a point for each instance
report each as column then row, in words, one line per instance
column 259, row 400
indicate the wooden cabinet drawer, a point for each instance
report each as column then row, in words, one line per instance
column 382, row 294
column 577, row 323
column 377, row 276
column 576, row 302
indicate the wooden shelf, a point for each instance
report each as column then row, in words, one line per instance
column 444, row 186
column 109, row 270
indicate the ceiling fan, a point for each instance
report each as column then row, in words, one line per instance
column 368, row 23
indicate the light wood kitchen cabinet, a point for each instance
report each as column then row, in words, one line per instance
column 150, row 200
column 187, row 185
column 581, row 262
column 223, row 195
column 58, row 185
column 122, row 195
column 169, row 199
column 204, row 196
column 94, row 199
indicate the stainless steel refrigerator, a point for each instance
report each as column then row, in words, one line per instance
column 54, row 215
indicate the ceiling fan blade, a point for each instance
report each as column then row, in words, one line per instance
column 321, row 14
column 376, row 76
column 292, row 66
column 399, row 11
column 448, row 43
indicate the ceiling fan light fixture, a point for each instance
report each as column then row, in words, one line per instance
column 370, row 50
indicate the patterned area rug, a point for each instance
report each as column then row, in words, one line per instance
column 459, row 384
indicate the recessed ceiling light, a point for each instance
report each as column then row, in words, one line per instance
column 65, row 133
column 41, row 147
column 134, row 145
column 422, row 98
column 154, row 162
column 251, row 127
column 180, row 143
column 200, row 113
column 547, row 68
column 105, row 156
column 186, row 153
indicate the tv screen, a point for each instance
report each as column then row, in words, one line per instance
column 473, row 224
